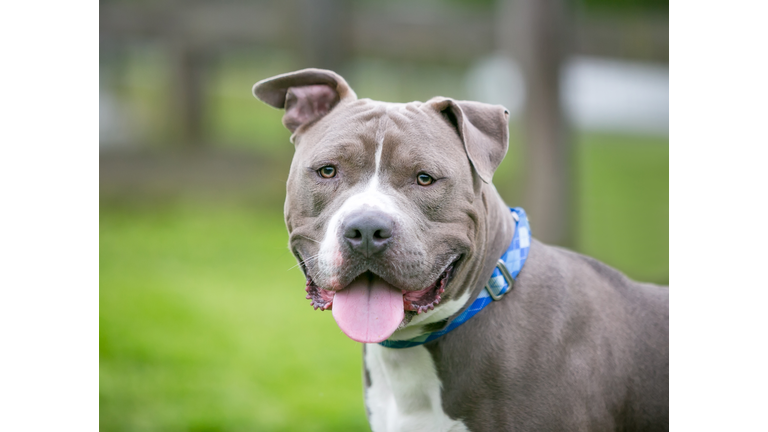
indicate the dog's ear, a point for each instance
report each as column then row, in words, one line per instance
column 306, row 95
column 482, row 127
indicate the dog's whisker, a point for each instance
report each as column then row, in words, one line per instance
column 305, row 261
column 308, row 238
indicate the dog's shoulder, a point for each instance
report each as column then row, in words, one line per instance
column 562, row 272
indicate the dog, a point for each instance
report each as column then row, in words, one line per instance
column 467, row 323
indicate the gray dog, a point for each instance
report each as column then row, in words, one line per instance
column 467, row 323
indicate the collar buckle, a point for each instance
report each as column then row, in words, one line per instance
column 507, row 278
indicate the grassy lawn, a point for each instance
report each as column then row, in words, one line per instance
column 204, row 327
column 623, row 217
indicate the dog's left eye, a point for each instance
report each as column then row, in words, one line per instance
column 424, row 179
column 327, row 171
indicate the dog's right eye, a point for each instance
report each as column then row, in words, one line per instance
column 327, row 171
column 424, row 179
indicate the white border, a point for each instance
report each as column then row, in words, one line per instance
column 49, row 271
column 718, row 215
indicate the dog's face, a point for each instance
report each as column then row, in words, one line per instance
column 383, row 200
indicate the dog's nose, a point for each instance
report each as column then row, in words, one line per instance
column 368, row 232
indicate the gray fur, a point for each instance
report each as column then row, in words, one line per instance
column 575, row 345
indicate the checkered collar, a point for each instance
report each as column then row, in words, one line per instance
column 502, row 280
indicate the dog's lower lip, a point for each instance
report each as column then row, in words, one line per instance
column 319, row 298
column 426, row 299
column 415, row 301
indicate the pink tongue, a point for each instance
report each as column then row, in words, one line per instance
column 369, row 309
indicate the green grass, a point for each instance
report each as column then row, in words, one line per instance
column 204, row 327
column 623, row 202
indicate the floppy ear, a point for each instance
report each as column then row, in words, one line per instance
column 306, row 95
column 482, row 127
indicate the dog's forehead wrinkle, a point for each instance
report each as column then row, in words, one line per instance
column 335, row 152
column 381, row 129
column 414, row 145
column 342, row 123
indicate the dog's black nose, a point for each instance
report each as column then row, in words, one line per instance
column 368, row 232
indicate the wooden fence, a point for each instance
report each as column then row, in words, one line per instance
column 539, row 33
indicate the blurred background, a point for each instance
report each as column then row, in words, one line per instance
column 203, row 321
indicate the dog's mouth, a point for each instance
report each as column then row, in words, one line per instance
column 370, row 309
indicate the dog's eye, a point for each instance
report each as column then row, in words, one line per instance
column 424, row 179
column 327, row 171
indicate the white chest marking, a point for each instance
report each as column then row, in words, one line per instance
column 405, row 391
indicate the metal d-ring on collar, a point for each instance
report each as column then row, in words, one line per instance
column 507, row 278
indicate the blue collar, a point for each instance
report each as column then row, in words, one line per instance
column 502, row 280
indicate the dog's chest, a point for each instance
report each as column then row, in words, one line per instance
column 404, row 391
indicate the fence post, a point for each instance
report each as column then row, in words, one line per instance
column 187, row 94
column 535, row 33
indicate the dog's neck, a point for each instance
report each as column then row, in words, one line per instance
column 501, row 226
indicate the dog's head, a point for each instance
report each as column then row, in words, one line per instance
column 384, row 205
